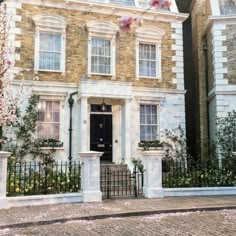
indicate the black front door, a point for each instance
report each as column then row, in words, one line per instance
column 101, row 135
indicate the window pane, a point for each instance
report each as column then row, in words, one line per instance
column 56, row 106
column 56, row 116
column 41, row 116
column 142, row 119
column 56, row 128
column 227, row 7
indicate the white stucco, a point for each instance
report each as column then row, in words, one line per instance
column 125, row 100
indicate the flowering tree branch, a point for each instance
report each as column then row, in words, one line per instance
column 126, row 22
column 9, row 101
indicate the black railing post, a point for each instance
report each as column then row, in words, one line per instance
column 71, row 102
column 135, row 181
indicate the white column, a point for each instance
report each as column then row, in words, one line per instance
column 152, row 161
column 127, row 130
column 90, row 176
column 84, row 124
column 3, row 179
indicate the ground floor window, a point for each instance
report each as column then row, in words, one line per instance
column 48, row 120
column 148, row 122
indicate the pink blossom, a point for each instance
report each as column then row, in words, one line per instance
column 9, row 62
column 139, row 21
column 126, row 22
column 159, row 4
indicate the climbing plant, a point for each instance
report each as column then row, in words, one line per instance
column 25, row 129
column 226, row 134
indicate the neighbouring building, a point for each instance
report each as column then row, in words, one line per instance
column 127, row 87
column 214, row 55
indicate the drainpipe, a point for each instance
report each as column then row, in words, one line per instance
column 71, row 102
column 205, row 50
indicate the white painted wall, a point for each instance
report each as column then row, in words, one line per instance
column 171, row 112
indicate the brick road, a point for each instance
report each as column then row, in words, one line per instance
column 217, row 223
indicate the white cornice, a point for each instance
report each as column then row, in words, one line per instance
column 45, row 84
column 229, row 90
column 111, row 9
column 217, row 19
column 158, row 90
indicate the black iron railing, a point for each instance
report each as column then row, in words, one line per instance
column 210, row 173
column 121, row 183
column 33, row 178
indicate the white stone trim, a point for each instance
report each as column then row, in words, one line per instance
column 215, row 7
column 105, row 88
column 50, row 23
column 46, row 84
column 201, row 191
column 111, row 9
column 149, row 35
column 178, row 69
column 104, row 30
column 44, row 199
column 12, row 8
column 218, row 62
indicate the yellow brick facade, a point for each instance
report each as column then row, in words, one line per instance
column 77, row 48
column 199, row 14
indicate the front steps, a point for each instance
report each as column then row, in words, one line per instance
column 118, row 181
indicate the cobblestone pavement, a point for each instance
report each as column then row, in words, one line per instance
column 217, row 223
column 19, row 215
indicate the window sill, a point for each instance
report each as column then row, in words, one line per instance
column 146, row 77
column 54, row 148
column 54, row 71
column 101, row 74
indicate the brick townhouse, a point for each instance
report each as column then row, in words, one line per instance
column 127, row 87
column 214, row 57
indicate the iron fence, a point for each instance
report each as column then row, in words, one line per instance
column 209, row 173
column 121, row 183
column 33, row 178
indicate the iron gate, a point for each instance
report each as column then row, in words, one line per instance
column 121, row 183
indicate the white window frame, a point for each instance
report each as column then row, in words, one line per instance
column 59, row 97
column 106, row 31
column 153, row 36
column 157, row 63
column 51, row 24
column 96, row 38
column 137, row 3
column 51, row 122
column 151, row 103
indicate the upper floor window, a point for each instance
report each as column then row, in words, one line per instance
column 102, row 48
column 49, row 51
column 148, row 52
column 49, row 43
column 227, row 7
column 147, row 60
column 144, row 3
column 101, row 56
